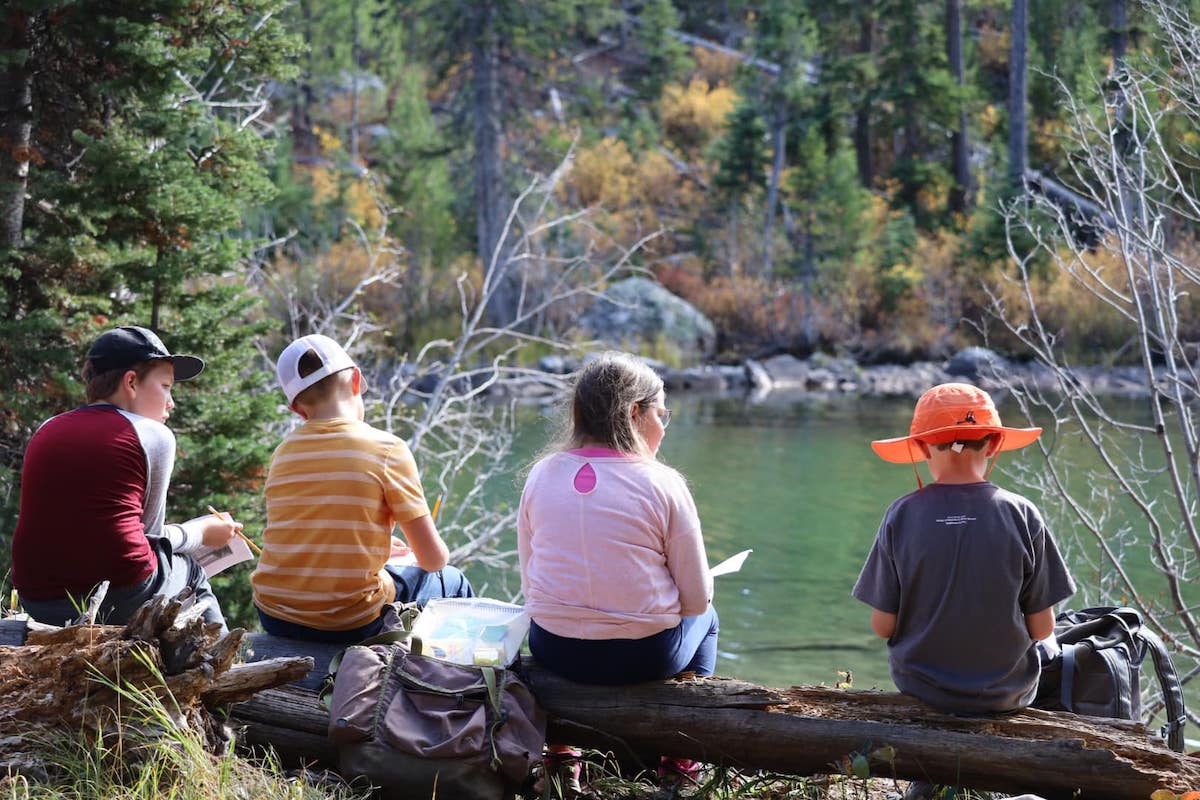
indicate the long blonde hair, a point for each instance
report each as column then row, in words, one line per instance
column 598, row 413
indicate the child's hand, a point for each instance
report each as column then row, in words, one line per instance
column 219, row 529
column 400, row 549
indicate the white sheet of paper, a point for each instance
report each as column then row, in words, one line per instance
column 218, row 559
column 731, row 564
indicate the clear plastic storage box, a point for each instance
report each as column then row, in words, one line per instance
column 471, row 630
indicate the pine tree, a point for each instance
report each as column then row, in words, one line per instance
column 143, row 154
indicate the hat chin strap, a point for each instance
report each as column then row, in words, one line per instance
column 995, row 458
column 913, row 461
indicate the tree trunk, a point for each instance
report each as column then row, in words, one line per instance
column 1131, row 201
column 1018, row 123
column 808, row 277
column 809, row 731
column 1120, row 32
column 862, row 116
column 355, row 37
column 491, row 206
column 778, row 144
column 734, row 264
column 303, row 140
column 961, row 191
column 16, row 127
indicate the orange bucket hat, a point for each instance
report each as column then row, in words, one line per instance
column 952, row 412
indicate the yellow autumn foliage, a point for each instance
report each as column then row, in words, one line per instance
column 656, row 180
column 603, row 174
column 1086, row 299
column 692, row 115
column 714, row 67
column 352, row 192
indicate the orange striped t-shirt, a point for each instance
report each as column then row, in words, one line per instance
column 334, row 492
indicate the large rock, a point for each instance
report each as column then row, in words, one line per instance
column 974, row 363
column 639, row 315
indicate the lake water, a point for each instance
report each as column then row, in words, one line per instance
column 794, row 478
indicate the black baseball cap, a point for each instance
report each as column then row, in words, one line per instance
column 123, row 347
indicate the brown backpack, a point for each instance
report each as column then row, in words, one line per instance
column 417, row 726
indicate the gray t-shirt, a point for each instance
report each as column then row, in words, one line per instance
column 960, row 565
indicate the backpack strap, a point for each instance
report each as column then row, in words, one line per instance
column 1172, row 692
column 1068, row 676
column 498, row 718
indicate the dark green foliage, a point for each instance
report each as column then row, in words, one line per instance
column 664, row 56
column 741, row 153
column 828, row 201
column 145, row 162
column 225, row 421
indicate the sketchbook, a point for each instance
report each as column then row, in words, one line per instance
column 731, row 564
column 214, row 560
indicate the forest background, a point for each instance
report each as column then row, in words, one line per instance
column 827, row 176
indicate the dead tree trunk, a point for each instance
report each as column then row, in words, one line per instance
column 804, row 731
column 862, row 114
column 67, row 679
column 960, row 192
column 1018, row 124
column 16, row 126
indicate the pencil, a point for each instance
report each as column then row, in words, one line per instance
column 437, row 505
column 246, row 539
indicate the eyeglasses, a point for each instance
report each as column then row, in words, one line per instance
column 664, row 415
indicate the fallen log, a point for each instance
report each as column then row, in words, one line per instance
column 803, row 731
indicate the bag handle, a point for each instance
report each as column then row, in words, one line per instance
column 1168, row 681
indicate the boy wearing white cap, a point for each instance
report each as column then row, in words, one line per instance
column 963, row 576
column 94, row 491
column 335, row 490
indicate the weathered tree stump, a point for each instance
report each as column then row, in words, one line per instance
column 72, row 679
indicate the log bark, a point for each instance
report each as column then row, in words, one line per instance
column 805, row 731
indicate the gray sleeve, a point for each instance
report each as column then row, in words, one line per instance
column 1047, row 581
column 877, row 584
column 185, row 537
column 158, row 443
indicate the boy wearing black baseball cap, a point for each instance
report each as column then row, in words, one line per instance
column 94, row 487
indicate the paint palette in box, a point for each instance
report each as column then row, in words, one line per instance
column 471, row 630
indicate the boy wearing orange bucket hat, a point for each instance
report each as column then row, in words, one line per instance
column 963, row 576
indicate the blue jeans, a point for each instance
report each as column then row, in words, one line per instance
column 691, row 646
column 173, row 573
column 413, row 585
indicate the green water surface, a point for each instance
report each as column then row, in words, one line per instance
column 793, row 478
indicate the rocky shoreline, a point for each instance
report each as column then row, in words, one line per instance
column 828, row 375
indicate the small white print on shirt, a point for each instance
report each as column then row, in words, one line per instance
column 957, row 519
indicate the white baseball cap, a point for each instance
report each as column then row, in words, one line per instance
column 287, row 368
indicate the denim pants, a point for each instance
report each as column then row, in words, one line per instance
column 691, row 646
column 413, row 585
column 173, row 573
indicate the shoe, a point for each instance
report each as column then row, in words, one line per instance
column 561, row 768
column 678, row 772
